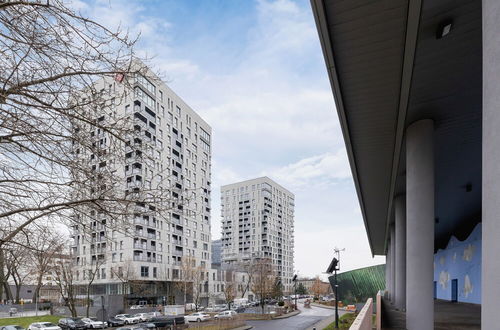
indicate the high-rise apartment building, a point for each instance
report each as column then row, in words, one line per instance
column 169, row 150
column 258, row 222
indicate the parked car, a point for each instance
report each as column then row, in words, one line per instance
column 94, row 323
column 238, row 309
column 137, row 306
column 72, row 323
column 146, row 325
column 12, row 327
column 154, row 314
column 220, row 307
column 197, row 317
column 225, row 315
column 143, row 317
column 43, row 326
column 164, row 321
column 128, row 318
column 114, row 322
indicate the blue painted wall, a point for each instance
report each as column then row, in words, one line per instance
column 460, row 260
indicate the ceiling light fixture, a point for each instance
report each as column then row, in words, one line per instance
column 444, row 28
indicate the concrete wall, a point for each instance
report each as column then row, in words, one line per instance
column 460, row 260
column 364, row 319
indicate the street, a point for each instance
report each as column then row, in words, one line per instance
column 307, row 318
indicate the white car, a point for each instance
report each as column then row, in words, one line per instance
column 94, row 323
column 43, row 326
column 154, row 314
column 197, row 317
column 225, row 315
column 143, row 316
column 128, row 318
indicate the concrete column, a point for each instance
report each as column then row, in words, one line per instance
column 388, row 270
column 393, row 264
column 420, row 225
column 490, row 269
column 400, row 217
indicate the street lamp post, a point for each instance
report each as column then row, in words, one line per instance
column 334, row 266
column 336, row 300
column 294, row 279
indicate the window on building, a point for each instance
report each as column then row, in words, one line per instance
column 144, row 271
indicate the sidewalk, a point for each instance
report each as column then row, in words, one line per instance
column 325, row 322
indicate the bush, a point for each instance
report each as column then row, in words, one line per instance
column 281, row 303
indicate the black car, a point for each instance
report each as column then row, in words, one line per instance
column 163, row 321
column 146, row 325
column 11, row 327
column 114, row 322
column 239, row 309
column 72, row 323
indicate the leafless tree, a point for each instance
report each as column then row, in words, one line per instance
column 229, row 287
column 199, row 278
column 62, row 77
column 4, row 276
column 248, row 268
column 47, row 245
column 187, row 272
column 18, row 265
column 91, row 274
column 263, row 279
column 65, row 280
column 126, row 274
column 319, row 288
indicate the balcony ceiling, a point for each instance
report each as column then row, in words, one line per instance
column 387, row 69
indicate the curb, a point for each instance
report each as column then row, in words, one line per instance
column 287, row 315
column 328, row 307
column 246, row 327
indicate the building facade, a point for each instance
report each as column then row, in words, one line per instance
column 217, row 252
column 258, row 222
column 168, row 153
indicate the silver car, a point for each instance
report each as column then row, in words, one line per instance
column 226, row 315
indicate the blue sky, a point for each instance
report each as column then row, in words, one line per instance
column 255, row 72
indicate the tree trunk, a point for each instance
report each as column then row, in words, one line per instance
column 2, row 275
column 36, row 294
column 88, row 301
column 8, row 291
column 185, row 293
column 18, row 287
column 18, row 293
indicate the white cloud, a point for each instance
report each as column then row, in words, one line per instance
column 322, row 170
column 315, row 249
